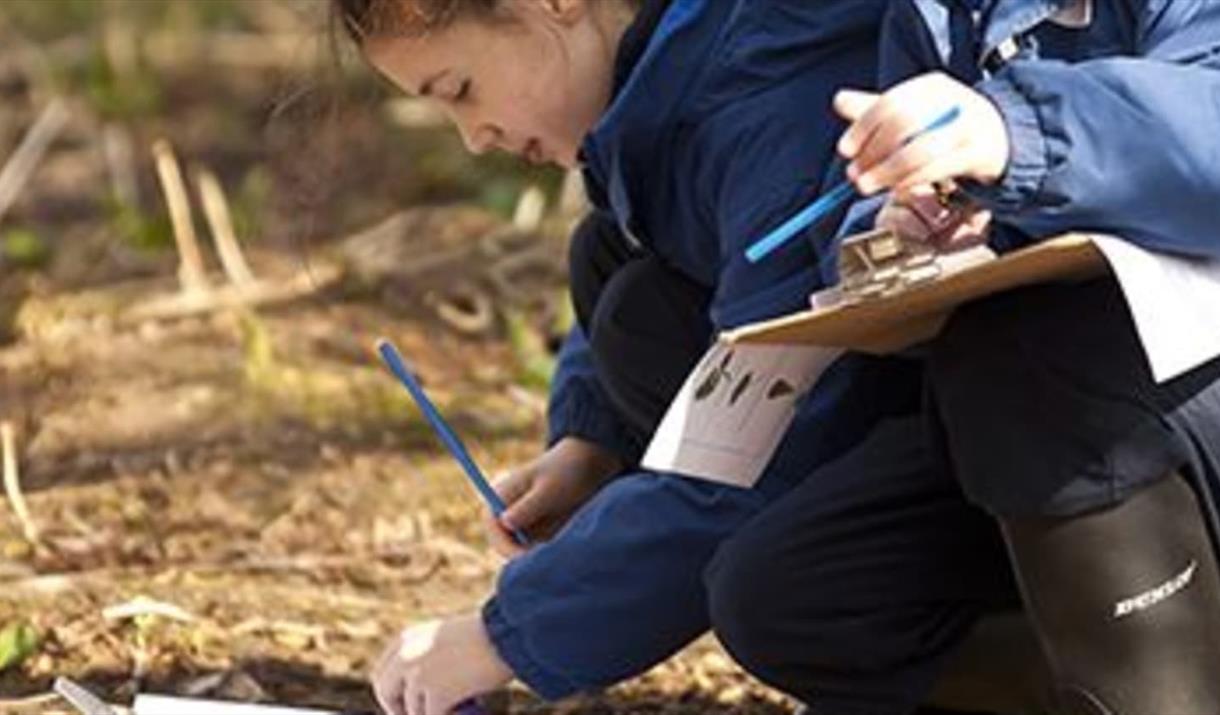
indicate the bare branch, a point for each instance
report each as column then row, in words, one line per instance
column 191, row 272
column 12, row 482
column 220, row 222
column 21, row 165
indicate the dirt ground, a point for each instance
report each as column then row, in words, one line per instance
column 292, row 541
column 240, row 503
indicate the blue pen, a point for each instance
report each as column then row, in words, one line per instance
column 831, row 200
column 394, row 361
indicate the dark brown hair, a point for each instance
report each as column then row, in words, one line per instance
column 362, row 19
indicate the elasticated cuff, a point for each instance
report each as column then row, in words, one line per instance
column 580, row 413
column 513, row 648
column 1028, row 160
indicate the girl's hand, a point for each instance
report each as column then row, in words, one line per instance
column 432, row 667
column 924, row 214
column 883, row 154
column 545, row 493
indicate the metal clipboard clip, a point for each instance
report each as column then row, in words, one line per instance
column 880, row 263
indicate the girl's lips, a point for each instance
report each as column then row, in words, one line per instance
column 533, row 152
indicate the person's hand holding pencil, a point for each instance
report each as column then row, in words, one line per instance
column 393, row 360
column 536, row 499
column 884, row 156
column 847, row 190
column 542, row 495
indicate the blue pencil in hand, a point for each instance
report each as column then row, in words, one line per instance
column 830, row 200
column 394, row 362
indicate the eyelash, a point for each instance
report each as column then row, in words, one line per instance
column 463, row 91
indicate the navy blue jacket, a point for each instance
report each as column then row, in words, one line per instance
column 1114, row 126
column 721, row 127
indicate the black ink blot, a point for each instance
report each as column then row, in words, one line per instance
column 741, row 388
column 780, row 388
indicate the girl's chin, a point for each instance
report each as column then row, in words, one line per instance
column 566, row 161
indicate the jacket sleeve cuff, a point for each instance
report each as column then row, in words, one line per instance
column 513, row 647
column 579, row 412
column 1028, row 160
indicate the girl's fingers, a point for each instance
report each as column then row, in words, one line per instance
column 513, row 485
column 979, row 221
column 388, row 687
column 418, row 695
column 534, row 506
column 851, row 104
column 945, row 165
column 863, row 127
column 496, row 538
column 886, row 140
column 899, row 169
column 500, row 539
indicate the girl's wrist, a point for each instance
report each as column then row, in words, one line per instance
column 595, row 460
column 494, row 670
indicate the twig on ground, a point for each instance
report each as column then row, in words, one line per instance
column 465, row 308
column 191, row 272
column 220, row 222
column 262, row 292
column 12, row 482
column 531, row 207
column 21, row 165
column 143, row 606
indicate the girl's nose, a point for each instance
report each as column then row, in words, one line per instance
column 479, row 138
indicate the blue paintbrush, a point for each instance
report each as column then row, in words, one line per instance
column 394, row 361
column 830, row 200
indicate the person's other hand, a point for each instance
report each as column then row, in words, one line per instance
column 924, row 214
column 886, row 150
column 544, row 494
column 430, row 668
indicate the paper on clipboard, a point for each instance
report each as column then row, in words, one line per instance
column 734, row 409
column 1174, row 302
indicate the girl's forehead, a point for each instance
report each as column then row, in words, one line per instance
column 404, row 56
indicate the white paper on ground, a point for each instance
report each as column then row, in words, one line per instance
column 1174, row 301
column 734, row 409
column 165, row 705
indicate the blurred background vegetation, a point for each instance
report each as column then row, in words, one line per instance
column 311, row 145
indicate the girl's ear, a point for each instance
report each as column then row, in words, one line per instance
column 567, row 12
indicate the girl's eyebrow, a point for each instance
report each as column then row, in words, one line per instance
column 426, row 88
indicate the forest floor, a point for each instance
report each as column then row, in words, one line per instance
column 295, row 516
column 240, row 503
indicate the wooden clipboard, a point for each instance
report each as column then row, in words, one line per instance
column 892, row 323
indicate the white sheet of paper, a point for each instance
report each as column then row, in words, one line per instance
column 166, row 705
column 734, row 409
column 1174, row 301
